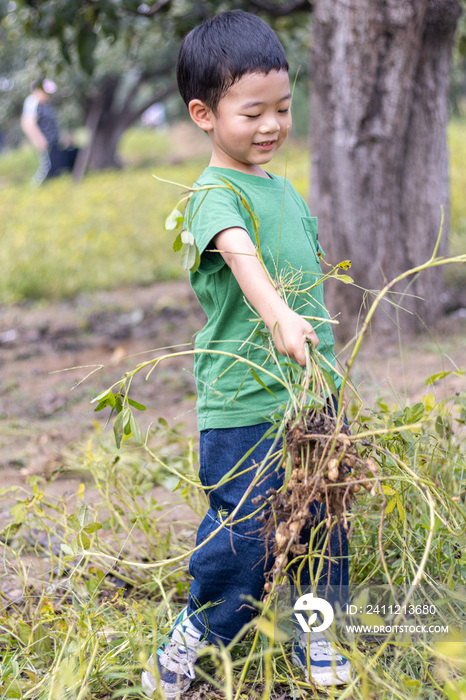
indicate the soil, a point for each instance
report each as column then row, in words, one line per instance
column 47, row 351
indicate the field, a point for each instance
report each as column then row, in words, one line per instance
column 95, row 539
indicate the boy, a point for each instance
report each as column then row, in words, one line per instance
column 233, row 75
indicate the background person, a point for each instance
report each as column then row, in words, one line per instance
column 40, row 125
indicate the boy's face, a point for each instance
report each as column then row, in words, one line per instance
column 251, row 122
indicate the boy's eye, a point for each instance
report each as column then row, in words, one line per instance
column 252, row 116
column 284, row 111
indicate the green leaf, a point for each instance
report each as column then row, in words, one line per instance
column 189, row 254
column 135, row 430
column 177, row 243
column 86, row 43
column 118, row 429
column 73, row 522
column 102, row 395
column 439, row 426
column 83, row 515
column 67, row 550
column 259, row 381
column 187, row 237
column 174, row 220
column 42, row 641
column 346, row 279
column 136, row 404
column 197, row 261
column 441, row 375
column 415, row 413
column 24, row 632
column 98, row 573
column 19, row 512
column 92, row 527
column 390, row 506
column 400, row 507
column 102, row 405
column 83, row 540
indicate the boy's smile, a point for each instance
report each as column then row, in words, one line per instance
column 251, row 122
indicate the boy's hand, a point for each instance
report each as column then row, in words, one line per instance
column 289, row 330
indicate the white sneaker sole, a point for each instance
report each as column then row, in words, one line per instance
column 325, row 677
column 149, row 686
column 148, row 683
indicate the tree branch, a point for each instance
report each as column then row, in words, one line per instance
column 283, row 10
column 131, row 117
column 158, row 71
column 156, row 7
column 150, row 12
column 149, row 75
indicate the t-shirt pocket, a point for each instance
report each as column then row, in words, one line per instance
column 310, row 228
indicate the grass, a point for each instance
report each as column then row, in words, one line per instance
column 101, row 572
column 103, row 233
column 107, row 231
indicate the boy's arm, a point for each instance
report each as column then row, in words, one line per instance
column 289, row 330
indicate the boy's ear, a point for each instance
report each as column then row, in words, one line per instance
column 200, row 114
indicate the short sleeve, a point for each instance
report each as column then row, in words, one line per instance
column 210, row 211
column 30, row 106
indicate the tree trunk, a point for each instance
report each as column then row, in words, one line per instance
column 379, row 108
column 105, row 132
column 107, row 120
column 105, row 139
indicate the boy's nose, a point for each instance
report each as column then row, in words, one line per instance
column 269, row 125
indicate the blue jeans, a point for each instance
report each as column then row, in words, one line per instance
column 230, row 569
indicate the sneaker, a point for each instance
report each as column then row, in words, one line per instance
column 175, row 660
column 321, row 663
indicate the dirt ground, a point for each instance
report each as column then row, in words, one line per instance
column 46, row 349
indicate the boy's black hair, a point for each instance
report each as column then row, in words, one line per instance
column 218, row 52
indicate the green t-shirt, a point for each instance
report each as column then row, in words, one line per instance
column 229, row 394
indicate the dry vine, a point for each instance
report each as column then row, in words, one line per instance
column 324, row 466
